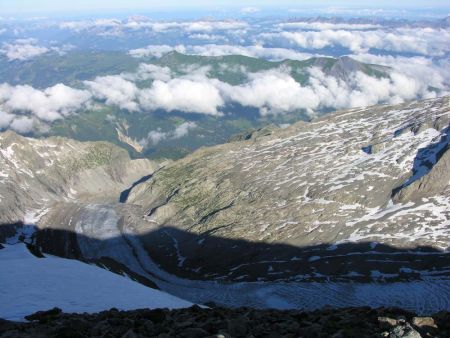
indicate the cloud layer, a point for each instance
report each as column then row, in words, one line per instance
column 357, row 35
column 205, row 26
column 25, row 49
column 257, row 51
column 271, row 92
column 22, row 50
column 115, row 90
column 46, row 105
column 425, row 41
column 418, row 54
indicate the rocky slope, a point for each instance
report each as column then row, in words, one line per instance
column 221, row 322
column 36, row 173
column 363, row 192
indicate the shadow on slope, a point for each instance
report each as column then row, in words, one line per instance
column 209, row 257
column 426, row 158
column 124, row 194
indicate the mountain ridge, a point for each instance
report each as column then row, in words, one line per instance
column 265, row 189
column 35, row 172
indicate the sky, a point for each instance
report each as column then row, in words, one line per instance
column 8, row 7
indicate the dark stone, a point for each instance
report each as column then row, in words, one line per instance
column 238, row 327
column 149, row 328
column 195, row 308
column 229, row 323
column 129, row 334
column 313, row 330
column 68, row 332
column 156, row 315
column 35, row 250
column 44, row 315
column 210, row 304
column 193, row 332
column 6, row 325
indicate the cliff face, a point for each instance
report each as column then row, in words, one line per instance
column 377, row 175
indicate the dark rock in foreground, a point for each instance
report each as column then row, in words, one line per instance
column 224, row 322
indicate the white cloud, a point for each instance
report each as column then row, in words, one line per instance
column 257, row 51
column 156, row 136
column 194, row 92
column 156, row 50
column 22, row 51
column 149, row 71
column 103, row 25
column 195, row 96
column 26, row 41
column 153, row 137
column 5, row 119
column 209, row 26
column 22, row 124
column 426, row 41
column 275, row 91
column 208, row 37
column 25, row 49
column 425, row 70
column 364, row 90
column 115, row 90
column 325, row 26
column 47, row 105
column 272, row 92
column 62, row 49
column 183, row 129
column 87, row 24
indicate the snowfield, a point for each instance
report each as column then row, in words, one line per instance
column 29, row 284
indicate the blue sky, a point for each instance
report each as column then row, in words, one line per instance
column 49, row 6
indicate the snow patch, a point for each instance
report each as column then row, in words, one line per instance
column 29, row 284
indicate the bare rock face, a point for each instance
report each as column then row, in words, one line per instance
column 35, row 173
column 370, row 180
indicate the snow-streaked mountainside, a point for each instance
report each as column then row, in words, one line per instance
column 306, row 194
column 29, row 284
column 350, row 209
